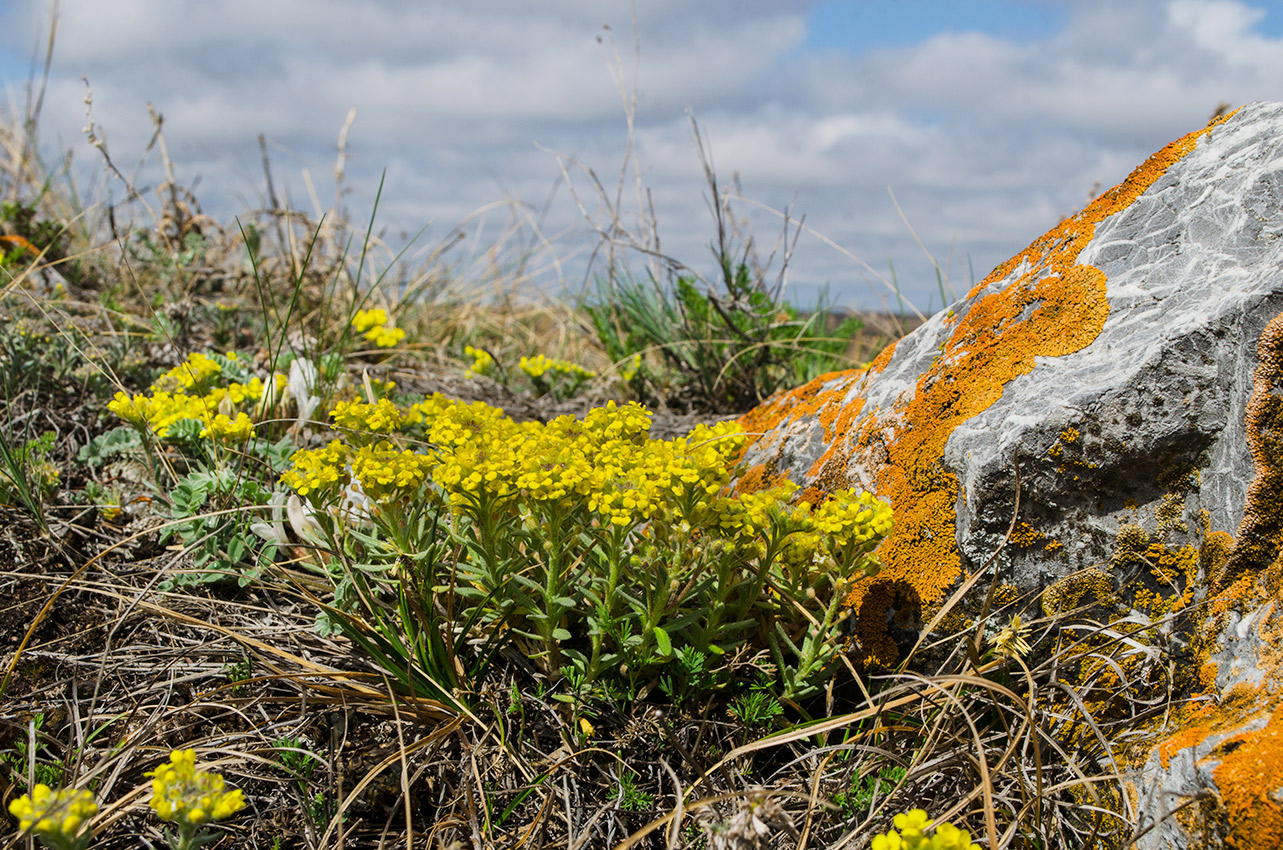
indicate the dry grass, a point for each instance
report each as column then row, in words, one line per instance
column 104, row 673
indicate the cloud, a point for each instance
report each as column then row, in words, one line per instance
column 985, row 140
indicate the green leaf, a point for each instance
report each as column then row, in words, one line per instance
column 663, row 642
column 560, row 634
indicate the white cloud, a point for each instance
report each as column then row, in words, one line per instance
column 985, row 140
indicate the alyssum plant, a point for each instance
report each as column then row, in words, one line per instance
column 449, row 532
column 602, row 555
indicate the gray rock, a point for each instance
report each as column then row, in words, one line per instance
column 1112, row 364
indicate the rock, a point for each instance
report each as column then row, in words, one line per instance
column 1125, row 374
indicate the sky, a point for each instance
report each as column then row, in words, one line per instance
column 919, row 143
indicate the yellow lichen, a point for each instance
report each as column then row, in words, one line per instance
column 1069, row 592
column 1005, row 594
column 1130, row 543
column 1025, row 535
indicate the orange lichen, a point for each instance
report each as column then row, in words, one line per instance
column 1260, row 535
column 1173, row 572
column 1250, row 776
column 762, row 476
column 1025, row 534
column 799, row 403
column 1053, row 308
column 879, row 363
column 846, row 417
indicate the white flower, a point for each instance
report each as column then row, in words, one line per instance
column 301, row 384
column 303, row 521
column 273, row 531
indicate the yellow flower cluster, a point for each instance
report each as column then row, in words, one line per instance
column 450, row 424
column 606, row 458
column 373, row 326
column 382, row 417
column 321, row 471
column 59, row 818
column 852, row 518
column 540, row 364
column 229, row 430
column 910, row 834
column 194, row 373
column 183, row 393
column 386, row 473
column 634, row 481
column 847, row 520
column 364, row 320
column 184, row 795
column 483, row 364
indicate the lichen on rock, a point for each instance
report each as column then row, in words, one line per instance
column 1125, row 373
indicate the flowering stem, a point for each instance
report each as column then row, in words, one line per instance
column 609, row 608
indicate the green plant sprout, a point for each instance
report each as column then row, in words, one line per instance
column 46, row 772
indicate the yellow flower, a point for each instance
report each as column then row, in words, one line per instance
column 535, row 366
column 194, row 373
column 189, row 797
column 229, row 430
column 372, row 324
column 483, row 364
column 628, row 369
column 382, row 417
column 911, row 835
column 58, row 818
column 366, row 319
column 386, row 473
column 318, row 470
column 383, row 337
column 1012, row 640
